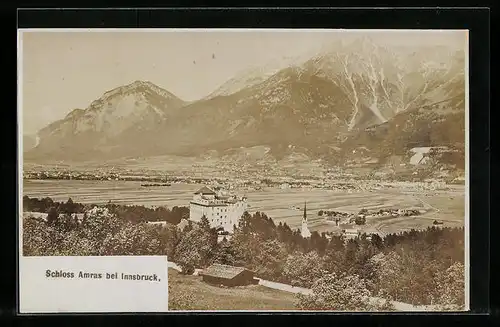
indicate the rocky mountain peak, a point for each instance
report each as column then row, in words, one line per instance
column 316, row 102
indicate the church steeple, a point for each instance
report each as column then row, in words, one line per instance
column 305, row 230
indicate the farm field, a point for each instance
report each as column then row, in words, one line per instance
column 191, row 293
column 446, row 206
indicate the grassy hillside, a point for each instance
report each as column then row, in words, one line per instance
column 191, row 293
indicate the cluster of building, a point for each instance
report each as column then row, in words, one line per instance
column 70, row 175
column 112, row 176
column 393, row 213
column 335, row 215
column 224, row 210
column 351, row 233
column 332, row 181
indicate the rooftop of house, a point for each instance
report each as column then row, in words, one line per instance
column 223, row 271
column 211, row 191
column 205, row 191
column 217, row 197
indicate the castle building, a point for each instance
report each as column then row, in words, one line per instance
column 222, row 211
column 305, row 229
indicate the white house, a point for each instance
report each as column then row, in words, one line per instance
column 351, row 233
column 157, row 223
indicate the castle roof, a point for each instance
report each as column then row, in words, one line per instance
column 205, row 191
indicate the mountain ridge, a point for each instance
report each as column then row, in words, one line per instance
column 323, row 102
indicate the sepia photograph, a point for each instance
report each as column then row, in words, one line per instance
column 276, row 169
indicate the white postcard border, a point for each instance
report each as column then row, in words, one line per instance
column 237, row 30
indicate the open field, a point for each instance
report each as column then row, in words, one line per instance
column 446, row 206
column 119, row 192
column 191, row 293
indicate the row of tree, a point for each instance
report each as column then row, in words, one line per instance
column 46, row 204
column 138, row 213
column 132, row 213
column 408, row 267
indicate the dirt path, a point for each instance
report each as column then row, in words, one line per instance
column 399, row 306
column 425, row 204
column 284, row 287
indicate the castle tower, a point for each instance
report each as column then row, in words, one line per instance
column 305, row 230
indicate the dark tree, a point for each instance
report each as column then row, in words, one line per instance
column 225, row 253
column 67, row 223
column 204, row 223
column 360, row 220
column 69, row 207
column 318, row 243
column 52, row 216
column 377, row 241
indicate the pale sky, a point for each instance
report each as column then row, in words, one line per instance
column 62, row 71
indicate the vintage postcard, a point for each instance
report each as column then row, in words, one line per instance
column 243, row 170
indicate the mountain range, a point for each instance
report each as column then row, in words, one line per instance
column 345, row 97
